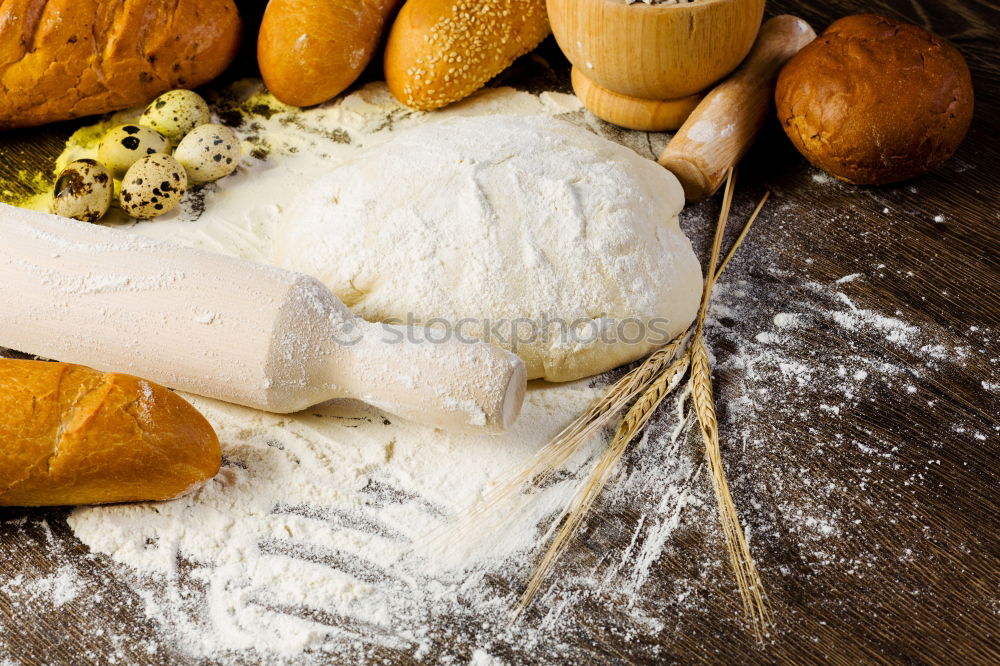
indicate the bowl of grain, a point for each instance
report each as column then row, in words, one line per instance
column 659, row 51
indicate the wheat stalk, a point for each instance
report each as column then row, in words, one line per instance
column 711, row 275
column 572, row 516
column 739, row 239
column 748, row 580
column 564, row 445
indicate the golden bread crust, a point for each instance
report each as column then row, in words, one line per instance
column 73, row 435
column 310, row 51
column 441, row 51
column 62, row 59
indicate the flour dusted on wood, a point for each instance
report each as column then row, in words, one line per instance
column 325, row 512
column 655, row 589
column 312, row 543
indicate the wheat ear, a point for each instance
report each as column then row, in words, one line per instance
column 572, row 516
column 741, row 237
column 564, row 445
column 747, row 578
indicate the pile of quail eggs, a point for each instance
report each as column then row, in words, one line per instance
column 153, row 181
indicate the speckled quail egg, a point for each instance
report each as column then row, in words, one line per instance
column 123, row 145
column 209, row 152
column 173, row 114
column 83, row 191
column 153, row 186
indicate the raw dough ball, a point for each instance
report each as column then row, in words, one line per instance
column 173, row 114
column 875, row 101
column 83, row 191
column 524, row 231
column 122, row 146
column 153, row 186
column 209, row 153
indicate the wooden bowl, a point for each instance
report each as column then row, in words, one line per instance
column 647, row 115
column 658, row 52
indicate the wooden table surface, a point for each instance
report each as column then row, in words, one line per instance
column 902, row 471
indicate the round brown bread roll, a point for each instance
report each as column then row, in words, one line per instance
column 875, row 101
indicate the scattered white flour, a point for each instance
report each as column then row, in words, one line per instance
column 787, row 320
column 56, row 589
column 849, row 278
column 326, row 537
column 318, row 530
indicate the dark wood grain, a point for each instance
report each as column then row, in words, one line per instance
column 913, row 578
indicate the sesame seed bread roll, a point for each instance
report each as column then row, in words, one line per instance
column 310, row 50
column 73, row 435
column 441, row 51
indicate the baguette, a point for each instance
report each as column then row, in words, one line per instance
column 311, row 50
column 72, row 435
column 441, row 51
column 64, row 59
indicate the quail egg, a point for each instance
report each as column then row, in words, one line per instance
column 152, row 186
column 173, row 114
column 83, row 191
column 209, row 152
column 125, row 144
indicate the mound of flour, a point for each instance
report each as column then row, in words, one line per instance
column 525, row 231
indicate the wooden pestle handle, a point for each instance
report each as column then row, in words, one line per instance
column 721, row 129
column 451, row 384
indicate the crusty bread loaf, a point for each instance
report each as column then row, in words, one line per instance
column 72, row 435
column 875, row 101
column 441, row 51
column 311, row 50
column 64, row 59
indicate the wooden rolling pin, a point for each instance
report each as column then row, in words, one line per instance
column 723, row 126
column 225, row 328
